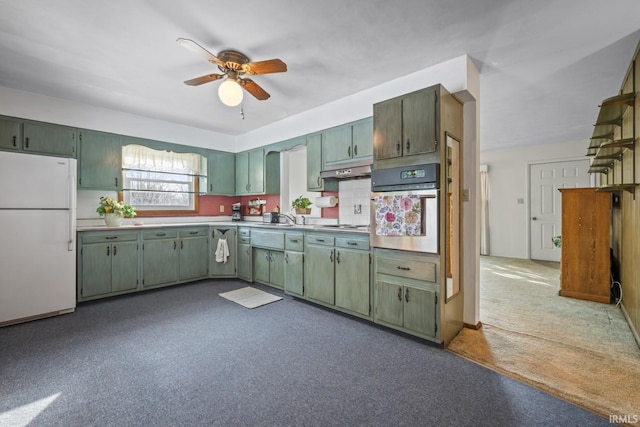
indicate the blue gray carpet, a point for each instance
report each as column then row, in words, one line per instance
column 184, row 356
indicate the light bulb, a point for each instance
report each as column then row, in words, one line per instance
column 230, row 93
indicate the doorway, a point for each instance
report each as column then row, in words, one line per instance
column 545, row 203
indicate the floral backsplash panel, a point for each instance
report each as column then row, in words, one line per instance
column 398, row 216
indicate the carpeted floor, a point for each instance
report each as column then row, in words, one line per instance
column 578, row 350
column 184, row 356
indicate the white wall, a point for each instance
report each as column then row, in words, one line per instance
column 508, row 182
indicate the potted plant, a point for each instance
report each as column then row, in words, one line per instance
column 114, row 211
column 301, row 205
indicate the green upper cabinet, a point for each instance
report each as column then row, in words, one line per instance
column 221, row 173
column 100, row 160
column 406, row 125
column 351, row 141
column 314, row 162
column 10, row 134
column 45, row 138
column 257, row 172
column 36, row 137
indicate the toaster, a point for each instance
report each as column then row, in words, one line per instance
column 271, row 217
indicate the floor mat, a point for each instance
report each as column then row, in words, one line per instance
column 250, row 297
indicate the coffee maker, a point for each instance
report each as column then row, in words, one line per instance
column 236, row 212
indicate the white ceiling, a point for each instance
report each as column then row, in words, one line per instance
column 544, row 65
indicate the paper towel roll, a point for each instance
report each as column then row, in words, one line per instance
column 326, row 201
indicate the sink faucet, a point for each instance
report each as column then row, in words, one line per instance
column 289, row 217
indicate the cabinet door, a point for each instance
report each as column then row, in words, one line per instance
column 362, row 136
column 388, row 303
column 352, row 280
column 256, row 171
column 124, row 266
column 419, row 122
column 387, row 129
column 194, row 258
column 261, row 263
column 244, row 262
column 100, row 161
column 314, row 162
column 96, row 269
column 420, row 310
column 276, row 268
column 221, row 172
column 159, row 262
column 242, row 173
column 336, row 144
column 223, row 269
column 293, row 273
column 319, row 274
column 49, row 139
column 10, row 137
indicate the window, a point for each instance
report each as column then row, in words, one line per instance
column 156, row 180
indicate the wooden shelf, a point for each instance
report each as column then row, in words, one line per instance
column 631, row 188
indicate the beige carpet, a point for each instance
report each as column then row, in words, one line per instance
column 581, row 351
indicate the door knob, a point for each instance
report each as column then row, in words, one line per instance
column 535, row 218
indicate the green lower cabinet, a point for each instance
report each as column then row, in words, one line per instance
column 107, row 267
column 294, row 273
column 319, row 283
column 245, row 264
column 222, row 268
column 194, row 259
column 160, row 260
column 352, row 277
column 268, row 267
column 406, row 307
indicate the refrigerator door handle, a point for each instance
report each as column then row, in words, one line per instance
column 72, row 205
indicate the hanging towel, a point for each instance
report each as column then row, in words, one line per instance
column 398, row 215
column 222, row 252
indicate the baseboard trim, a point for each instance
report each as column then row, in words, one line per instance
column 630, row 323
column 475, row 327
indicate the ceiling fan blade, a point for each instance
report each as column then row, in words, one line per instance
column 265, row 67
column 196, row 48
column 254, row 89
column 203, row 79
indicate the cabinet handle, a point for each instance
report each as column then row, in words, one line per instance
column 111, row 237
column 294, row 240
column 116, row 181
column 318, row 179
column 193, row 232
column 331, row 256
column 174, row 245
column 352, row 243
column 404, row 268
column 26, row 142
column 349, row 151
column 210, row 187
column 181, row 244
column 161, row 234
column 267, row 257
column 320, row 240
column 15, row 143
column 355, row 150
column 338, row 258
column 399, row 294
column 115, row 249
column 398, row 147
column 108, row 250
column 408, row 145
column 286, row 258
column 406, row 295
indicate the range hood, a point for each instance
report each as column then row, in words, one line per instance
column 347, row 171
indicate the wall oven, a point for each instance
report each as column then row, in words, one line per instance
column 404, row 208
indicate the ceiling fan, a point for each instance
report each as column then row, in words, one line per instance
column 233, row 64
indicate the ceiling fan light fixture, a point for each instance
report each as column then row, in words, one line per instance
column 230, row 93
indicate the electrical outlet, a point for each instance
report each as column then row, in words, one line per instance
column 357, row 209
column 465, row 195
column 221, row 208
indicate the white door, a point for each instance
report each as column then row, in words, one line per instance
column 545, row 203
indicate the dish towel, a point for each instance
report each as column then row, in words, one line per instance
column 222, row 252
column 398, row 216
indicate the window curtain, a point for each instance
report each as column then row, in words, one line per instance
column 484, row 210
column 147, row 159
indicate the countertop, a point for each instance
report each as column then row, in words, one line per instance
column 311, row 227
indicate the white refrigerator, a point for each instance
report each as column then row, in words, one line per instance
column 37, row 236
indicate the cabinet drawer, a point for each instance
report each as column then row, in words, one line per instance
column 320, row 239
column 345, row 242
column 294, row 242
column 410, row 269
column 160, row 234
column 245, row 239
column 111, row 237
column 268, row 239
column 194, row 232
column 244, row 232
